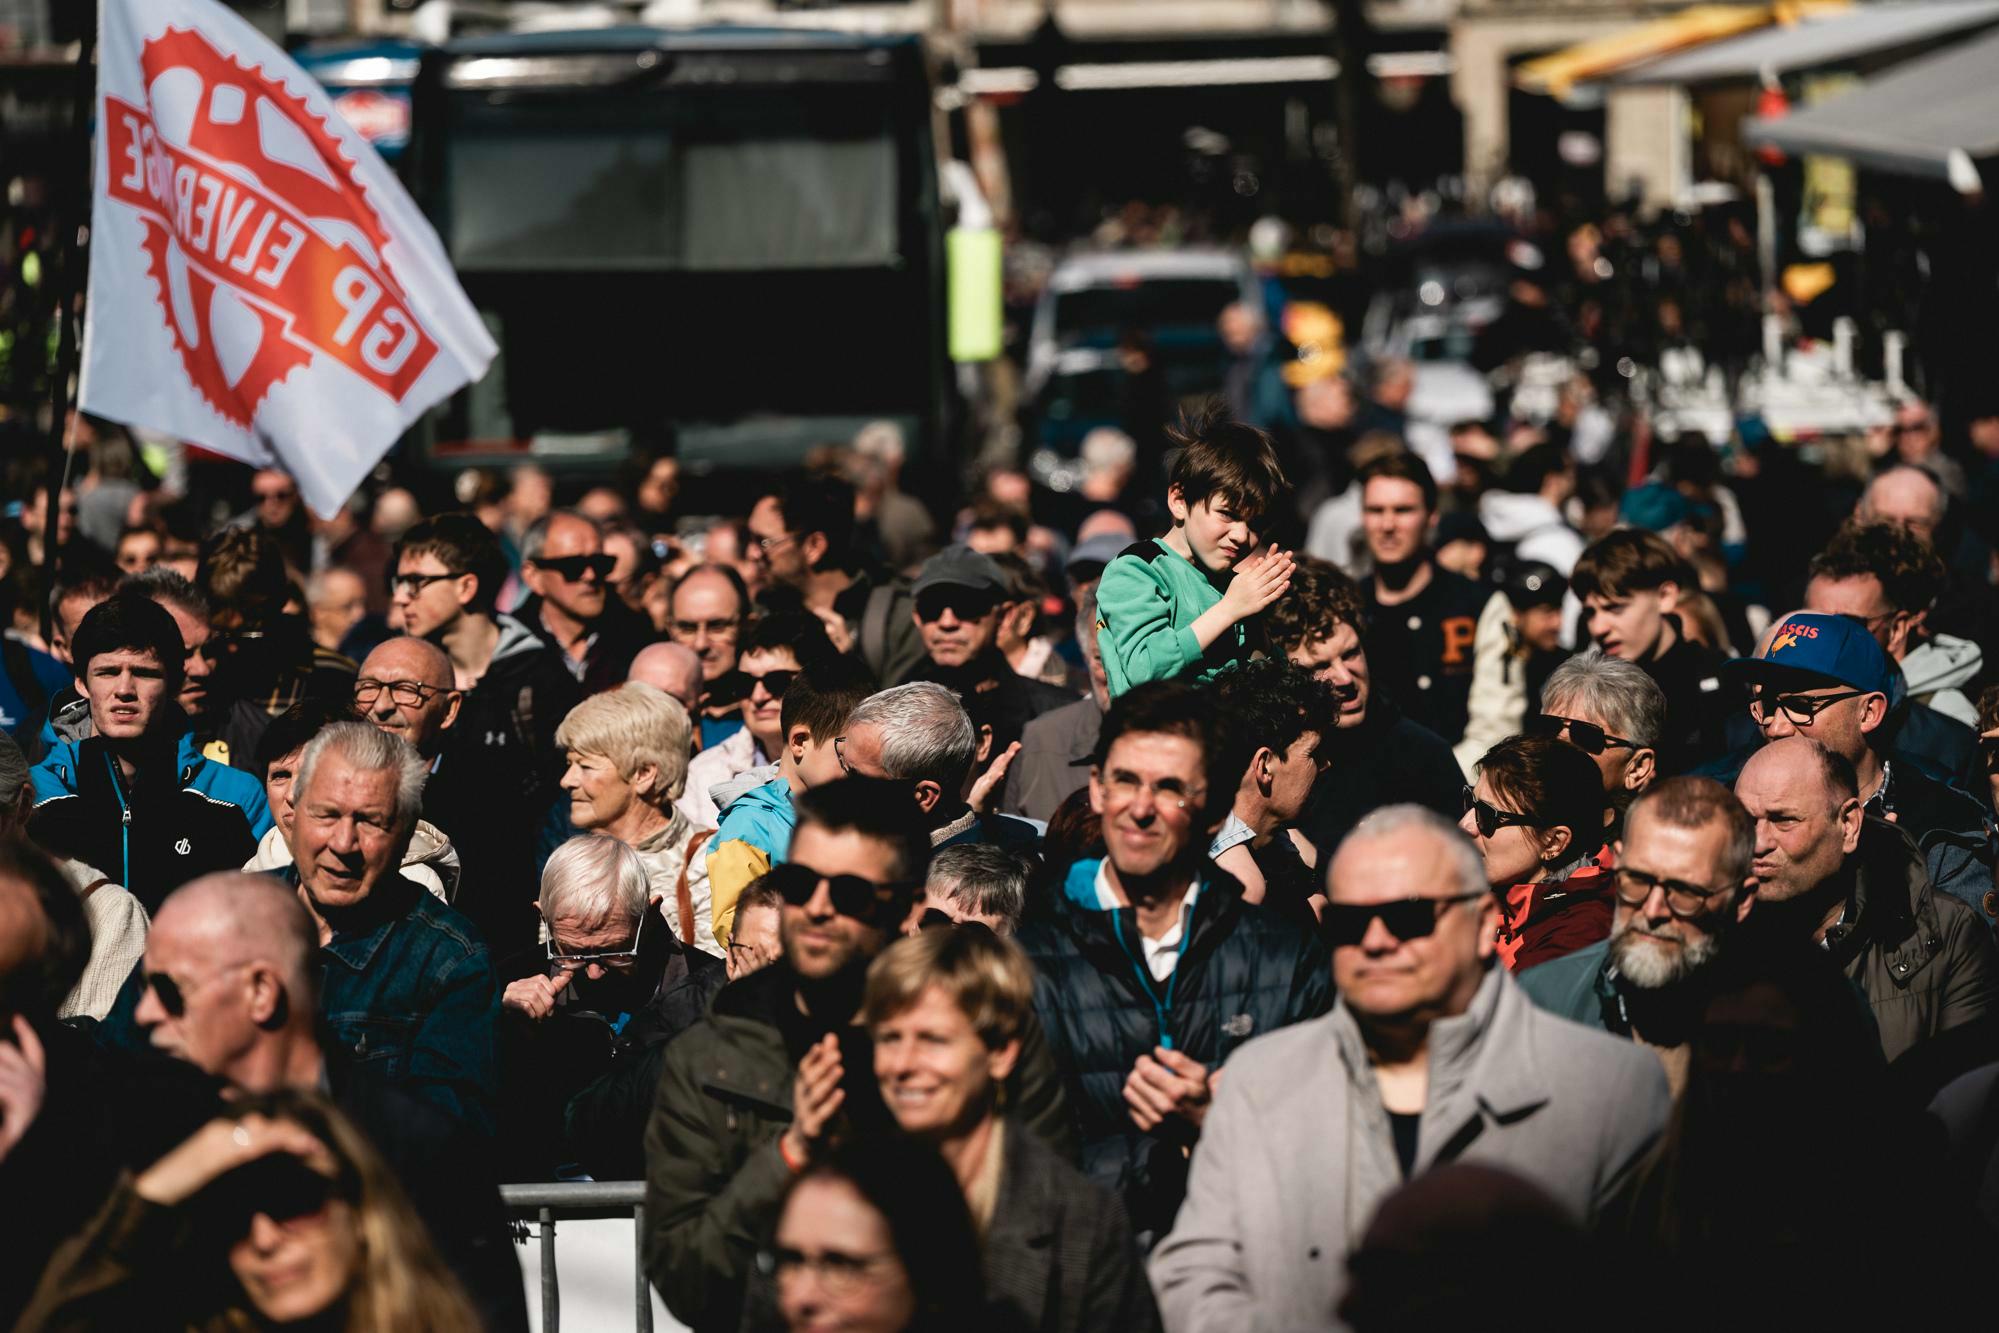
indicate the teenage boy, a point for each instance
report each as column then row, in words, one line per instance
column 1629, row 584
column 1182, row 604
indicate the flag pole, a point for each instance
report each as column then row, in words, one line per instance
column 74, row 210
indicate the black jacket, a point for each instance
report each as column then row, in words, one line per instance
column 1698, row 703
column 1387, row 760
column 1421, row 650
column 496, row 778
column 619, row 636
column 155, row 835
column 1242, row 972
column 1952, row 831
column 593, row 1048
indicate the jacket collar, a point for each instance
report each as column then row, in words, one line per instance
column 357, row 939
column 1482, row 1054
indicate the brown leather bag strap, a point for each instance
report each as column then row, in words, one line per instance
column 682, row 899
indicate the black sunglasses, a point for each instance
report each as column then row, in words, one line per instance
column 775, row 683
column 167, row 991
column 572, row 567
column 1585, row 736
column 1491, row 818
column 863, row 900
column 966, row 603
column 1801, row 709
column 1343, row 925
column 279, row 1186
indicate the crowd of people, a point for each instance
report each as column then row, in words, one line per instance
column 1193, row 905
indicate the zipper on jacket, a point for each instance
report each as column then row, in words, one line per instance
column 1162, row 1009
column 124, row 817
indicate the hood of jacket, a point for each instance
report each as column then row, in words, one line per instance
column 1945, row 662
column 727, row 792
column 516, row 640
column 1510, row 517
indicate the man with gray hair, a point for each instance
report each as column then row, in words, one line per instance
column 564, row 564
column 920, row 734
column 407, row 986
column 1431, row 1055
column 978, row 883
column 1685, row 878
column 1614, row 712
column 610, row 983
column 232, row 987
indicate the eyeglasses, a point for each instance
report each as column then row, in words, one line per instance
column 859, row 899
column 412, row 585
column 173, row 997
column 1124, row 788
column 769, row 544
column 569, row 962
column 411, row 692
column 1683, row 900
column 840, row 1274
column 965, row 603
column 572, row 568
column 1491, row 818
column 1585, row 736
column 1801, row 709
column 1343, row 925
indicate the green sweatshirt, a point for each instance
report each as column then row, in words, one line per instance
column 1147, row 603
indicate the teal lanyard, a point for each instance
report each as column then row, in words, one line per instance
column 124, row 817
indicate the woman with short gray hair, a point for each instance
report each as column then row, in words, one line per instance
column 627, row 750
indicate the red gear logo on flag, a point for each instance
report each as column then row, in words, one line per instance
column 263, row 245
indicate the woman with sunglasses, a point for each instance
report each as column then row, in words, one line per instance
column 946, row 1009
column 627, row 750
column 279, row 1215
column 1537, row 818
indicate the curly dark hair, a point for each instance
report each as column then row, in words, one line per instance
column 1321, row 599
column 1271, row 703
column 1912, row 575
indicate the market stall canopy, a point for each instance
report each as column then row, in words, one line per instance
column 1934, row 117
column 1694, row 26
column 1814, row 41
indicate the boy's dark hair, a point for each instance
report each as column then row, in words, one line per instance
column 1225, row 459
column 38, row 985
column 1402, row 466
column 243, row 570
column 822, row 504
column 1627, row 561
column 1172, row 708
column 877, row 808
column 799, row 632
column 824, row 695
column 1551, row 782
column 1322, row 598
column 291, row 729
column 1268, row 702
column 463, row 545
column 169, row 589
column 1911, row 573
column 130, row 620
column 759, row 892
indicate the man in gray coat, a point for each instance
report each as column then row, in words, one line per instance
column 1431, row 1055
column 1057, row 747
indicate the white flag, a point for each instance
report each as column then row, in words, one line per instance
column 260, row 283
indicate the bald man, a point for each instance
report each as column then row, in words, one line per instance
column 1855, row 884
column 1909, row 496
column 232, row 969
column 673, row 669
column 406, row 688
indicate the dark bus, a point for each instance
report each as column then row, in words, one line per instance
column 728, row 241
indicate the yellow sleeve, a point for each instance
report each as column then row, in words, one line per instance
column 731, row 869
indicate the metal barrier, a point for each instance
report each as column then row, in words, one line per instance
column 579, row 1200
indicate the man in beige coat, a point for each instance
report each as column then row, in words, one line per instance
column 1431, row 1055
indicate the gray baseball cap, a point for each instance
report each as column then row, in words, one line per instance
column 961, row 567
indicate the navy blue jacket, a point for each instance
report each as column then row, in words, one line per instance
column 1242, row 972
column 407, row 988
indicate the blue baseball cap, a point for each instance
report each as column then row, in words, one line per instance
column 1812, row 649
column 1654, row 507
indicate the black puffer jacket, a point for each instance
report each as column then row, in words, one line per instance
column 1242, row 972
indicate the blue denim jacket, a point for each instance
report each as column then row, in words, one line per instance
column 413, row 1000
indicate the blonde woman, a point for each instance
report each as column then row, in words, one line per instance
column 627, row 750
column 279, row 1215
